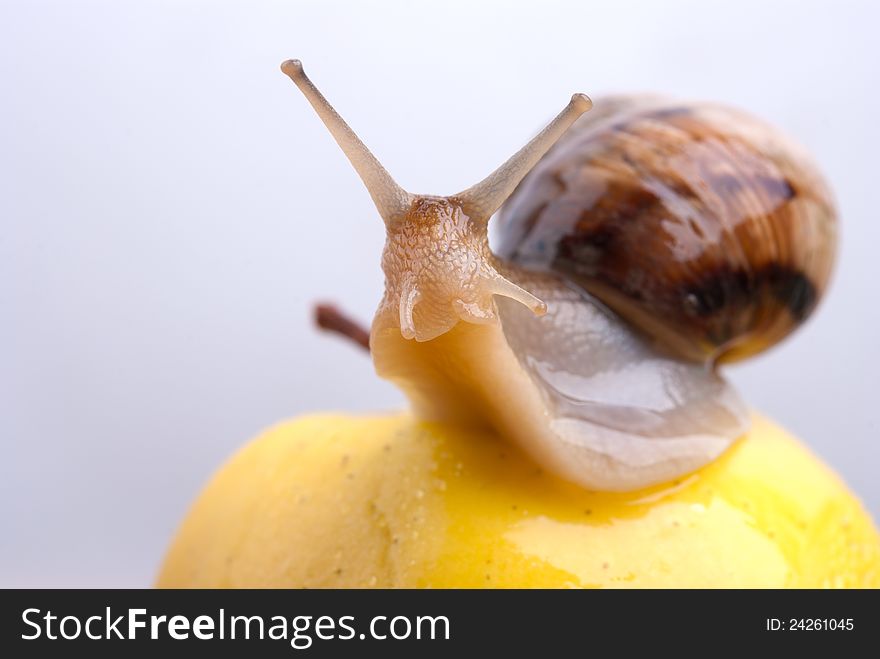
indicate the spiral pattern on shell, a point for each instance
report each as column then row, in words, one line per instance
column 699, row 224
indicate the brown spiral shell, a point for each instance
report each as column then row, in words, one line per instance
column 699, row 224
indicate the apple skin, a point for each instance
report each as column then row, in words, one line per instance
column 390, row 501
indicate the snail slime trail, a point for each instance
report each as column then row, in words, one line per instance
column 695, row 234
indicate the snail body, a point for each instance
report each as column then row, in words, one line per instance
column 595, row 395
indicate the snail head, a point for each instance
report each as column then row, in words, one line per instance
column 437, row 262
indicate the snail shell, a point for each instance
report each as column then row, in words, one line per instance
column 699, row 224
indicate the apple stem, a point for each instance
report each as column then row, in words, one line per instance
column 331, row 319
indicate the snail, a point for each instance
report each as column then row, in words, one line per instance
column 642, row 246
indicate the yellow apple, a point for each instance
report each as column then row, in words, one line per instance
column 390, row 501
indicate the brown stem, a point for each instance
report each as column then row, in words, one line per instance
column 331, row 319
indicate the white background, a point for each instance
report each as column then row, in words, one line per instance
column 170, row 207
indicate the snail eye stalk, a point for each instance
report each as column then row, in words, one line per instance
column 483, row 199
column 391, row 200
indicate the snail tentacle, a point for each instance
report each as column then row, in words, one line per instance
column 409, row 298
column 502, row 286
column 391, row 200
column 480, row 201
